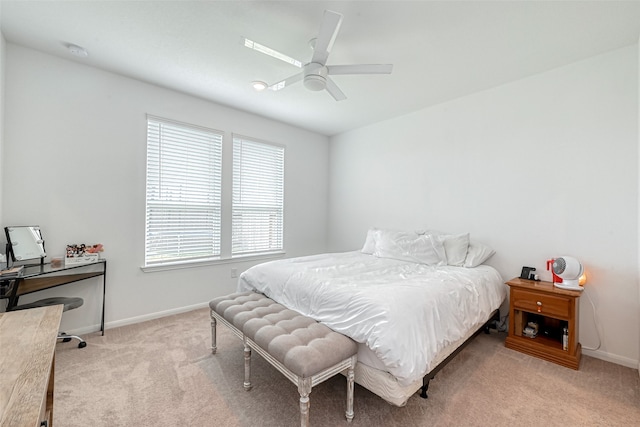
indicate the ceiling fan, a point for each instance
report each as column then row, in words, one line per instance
column 315, row 74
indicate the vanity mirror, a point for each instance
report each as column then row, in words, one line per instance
column 24, row 243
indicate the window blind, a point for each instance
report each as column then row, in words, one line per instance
column 184, row 166
column 258, row 197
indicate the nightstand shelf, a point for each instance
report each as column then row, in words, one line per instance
column 552, row 309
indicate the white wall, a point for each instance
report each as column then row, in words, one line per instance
column 75, row 147
column 542, row 167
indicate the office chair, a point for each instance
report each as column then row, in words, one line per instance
column 69, row 304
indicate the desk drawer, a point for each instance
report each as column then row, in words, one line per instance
column 549, row 305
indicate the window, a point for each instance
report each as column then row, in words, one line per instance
column 258, row 197
column 183, row 212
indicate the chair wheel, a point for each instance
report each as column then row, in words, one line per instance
column 66, row 339
column 83, row 344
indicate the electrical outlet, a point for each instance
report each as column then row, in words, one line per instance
column 234, row 273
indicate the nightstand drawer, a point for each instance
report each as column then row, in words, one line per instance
column 534, row 302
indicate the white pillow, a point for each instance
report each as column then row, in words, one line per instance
column 370, row 242
column 409, row 246
column 477, row 254
column 456, row 247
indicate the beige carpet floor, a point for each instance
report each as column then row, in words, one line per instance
column 162, row 373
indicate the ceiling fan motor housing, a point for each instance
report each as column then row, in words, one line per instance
column 315, row 76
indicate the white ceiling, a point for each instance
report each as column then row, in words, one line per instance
column 441, row 50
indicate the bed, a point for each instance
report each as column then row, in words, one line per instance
column 409, row 299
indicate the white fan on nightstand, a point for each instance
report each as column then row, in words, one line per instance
column 570, row 273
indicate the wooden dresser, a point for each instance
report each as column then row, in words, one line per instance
column 27, row 347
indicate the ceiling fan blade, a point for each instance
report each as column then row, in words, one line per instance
column 326, row 37
column 335, row 91
column 286, row 82
column 271, row 52
column 360, row 69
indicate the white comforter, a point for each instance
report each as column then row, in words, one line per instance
column 406, row 313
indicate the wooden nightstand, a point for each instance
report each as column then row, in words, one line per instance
column 552, row 309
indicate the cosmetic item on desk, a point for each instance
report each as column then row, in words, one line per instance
column 57, row 262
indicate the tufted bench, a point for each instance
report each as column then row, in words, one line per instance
column 303, row 350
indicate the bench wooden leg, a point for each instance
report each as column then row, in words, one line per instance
column 247, row 365
column 350, row 386
column 304, row 388
column 214, row 348
column 304, row 411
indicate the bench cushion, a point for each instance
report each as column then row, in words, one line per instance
column 301, row 344
column 239, row 307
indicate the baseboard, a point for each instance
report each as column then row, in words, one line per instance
column 613, row 358
column 137, row 319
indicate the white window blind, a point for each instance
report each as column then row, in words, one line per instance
column 258, row 197
column 184, row 165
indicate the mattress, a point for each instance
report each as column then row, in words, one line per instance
column 385, row 385
column 406, row 316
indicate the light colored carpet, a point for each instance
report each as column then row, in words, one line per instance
column 162, row 373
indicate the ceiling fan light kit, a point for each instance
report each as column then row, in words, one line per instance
column 315, row 82
column 315, row 77
column 316, row 72
column 258, row 85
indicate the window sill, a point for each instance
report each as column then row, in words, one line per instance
column 209, row 262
